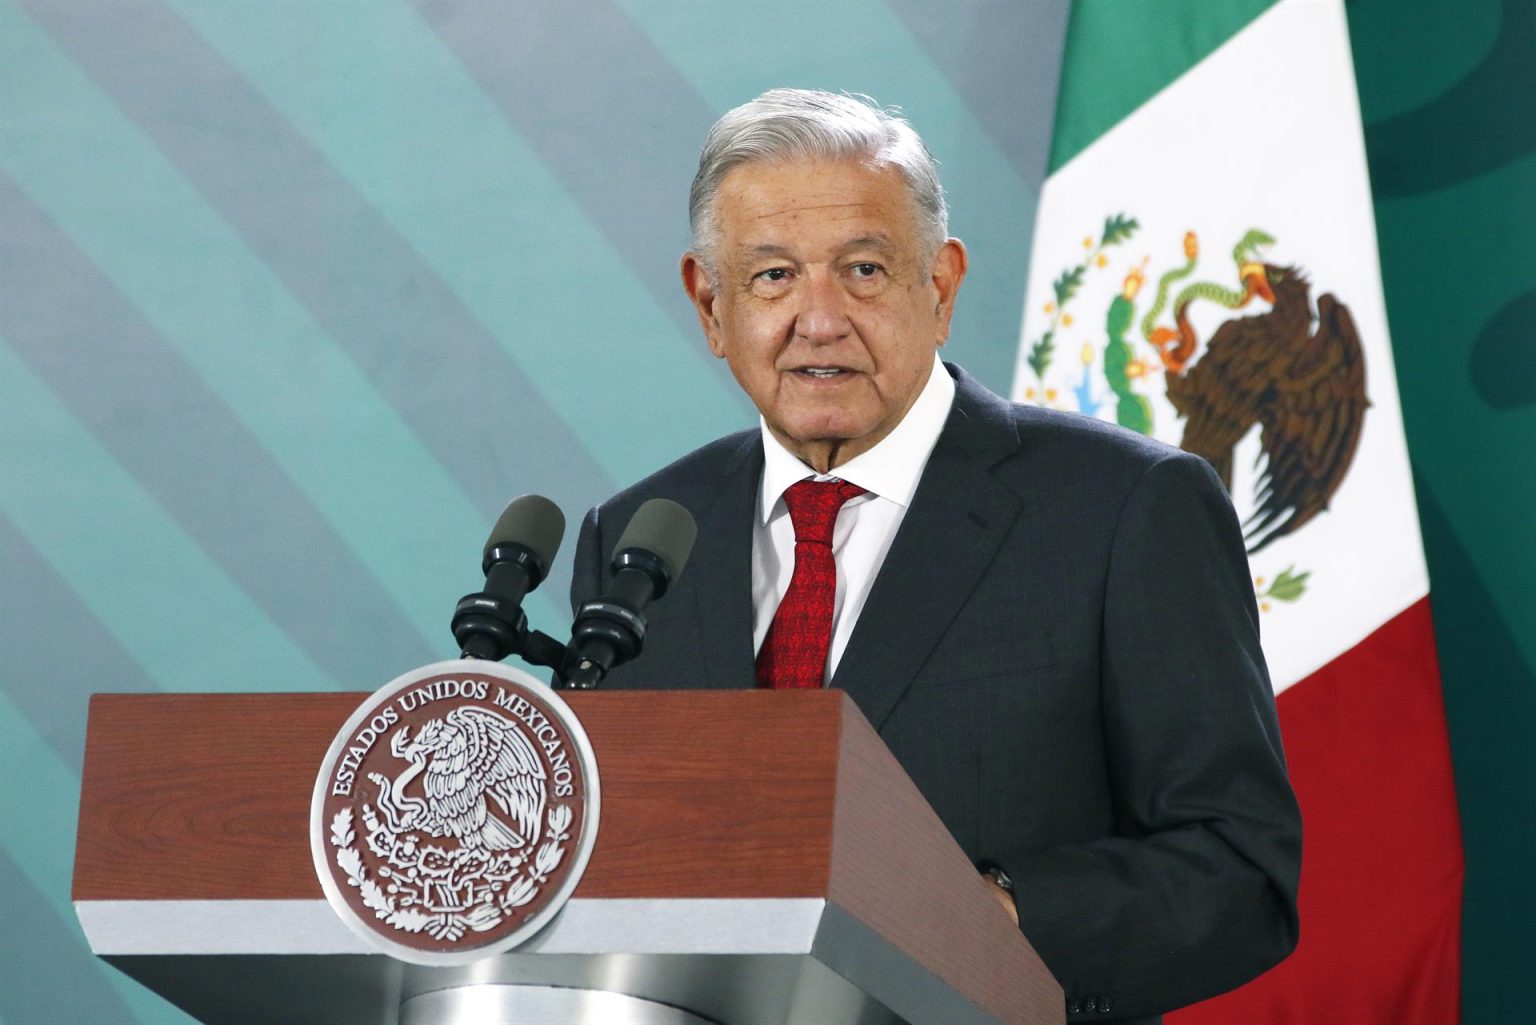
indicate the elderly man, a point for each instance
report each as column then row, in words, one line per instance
column 1049, row 620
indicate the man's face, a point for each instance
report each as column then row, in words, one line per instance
column 822, row 306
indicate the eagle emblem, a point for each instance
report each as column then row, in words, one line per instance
column 1289, row 367
column 1300, row 379
column 455, row 812
column 461, row 759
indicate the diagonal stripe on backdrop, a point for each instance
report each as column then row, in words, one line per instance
column 633, row 181
column 970, row 40
column 143, row 579
column 391, row 108
column 57, row 653
column 859, row 46
column 35, row 879
column 213, row 300
column 359, row 279
column 35, row 945
column 200, row 464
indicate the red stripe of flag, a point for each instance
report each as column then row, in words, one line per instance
column 1382, row 868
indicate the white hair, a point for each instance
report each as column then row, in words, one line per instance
column 785, row 125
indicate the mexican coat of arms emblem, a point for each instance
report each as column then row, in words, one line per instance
column 454, row 812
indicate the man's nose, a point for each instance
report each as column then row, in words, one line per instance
column 823, row 315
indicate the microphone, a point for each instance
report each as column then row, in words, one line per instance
column 648, row 559
column 491, row 624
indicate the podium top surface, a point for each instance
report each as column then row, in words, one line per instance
column 207, row 795
column 733, row 798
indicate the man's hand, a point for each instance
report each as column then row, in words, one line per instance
column 1003, row 893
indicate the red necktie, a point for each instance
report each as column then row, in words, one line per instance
column 794, row 654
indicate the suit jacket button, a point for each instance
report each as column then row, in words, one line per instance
column 1074, row 1005
column 1103, row 1005
column 1090, row 1003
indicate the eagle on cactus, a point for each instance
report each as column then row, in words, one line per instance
column 1301, row 379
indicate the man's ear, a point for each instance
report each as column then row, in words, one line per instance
column 949, row 266
column 701, row 291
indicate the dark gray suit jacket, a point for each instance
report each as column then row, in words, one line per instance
column 1062, row 650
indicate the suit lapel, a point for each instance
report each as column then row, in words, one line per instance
column 719, row 572
column 949, row 536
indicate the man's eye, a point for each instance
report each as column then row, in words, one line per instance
column 866, row 270
column 774, row 274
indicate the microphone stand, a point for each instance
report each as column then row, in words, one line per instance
column 486, row 629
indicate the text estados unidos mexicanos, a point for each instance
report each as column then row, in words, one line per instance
column 546, row 734
column 544, row 731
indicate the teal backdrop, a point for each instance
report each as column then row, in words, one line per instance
column 295, row 295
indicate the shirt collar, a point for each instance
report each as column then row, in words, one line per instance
column 890, row 470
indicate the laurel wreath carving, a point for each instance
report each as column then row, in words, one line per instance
column 486, row 914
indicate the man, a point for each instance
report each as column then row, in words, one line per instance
column 1049, row 620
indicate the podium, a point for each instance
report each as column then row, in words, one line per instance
column 761, row 860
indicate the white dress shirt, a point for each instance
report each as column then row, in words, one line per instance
column 866, row 525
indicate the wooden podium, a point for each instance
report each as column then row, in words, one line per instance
column 761, row 860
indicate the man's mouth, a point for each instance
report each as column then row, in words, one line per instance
column 821, row 373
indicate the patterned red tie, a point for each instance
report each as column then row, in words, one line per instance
column 794, row 654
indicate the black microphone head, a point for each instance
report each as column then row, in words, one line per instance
column 663, row 528
column 532, row 521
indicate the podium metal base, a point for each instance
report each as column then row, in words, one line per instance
column 496, row 1004
column 759, row 962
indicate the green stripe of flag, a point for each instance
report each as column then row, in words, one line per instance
column 1121, row 53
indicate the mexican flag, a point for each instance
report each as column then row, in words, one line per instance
column 1205, row 271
